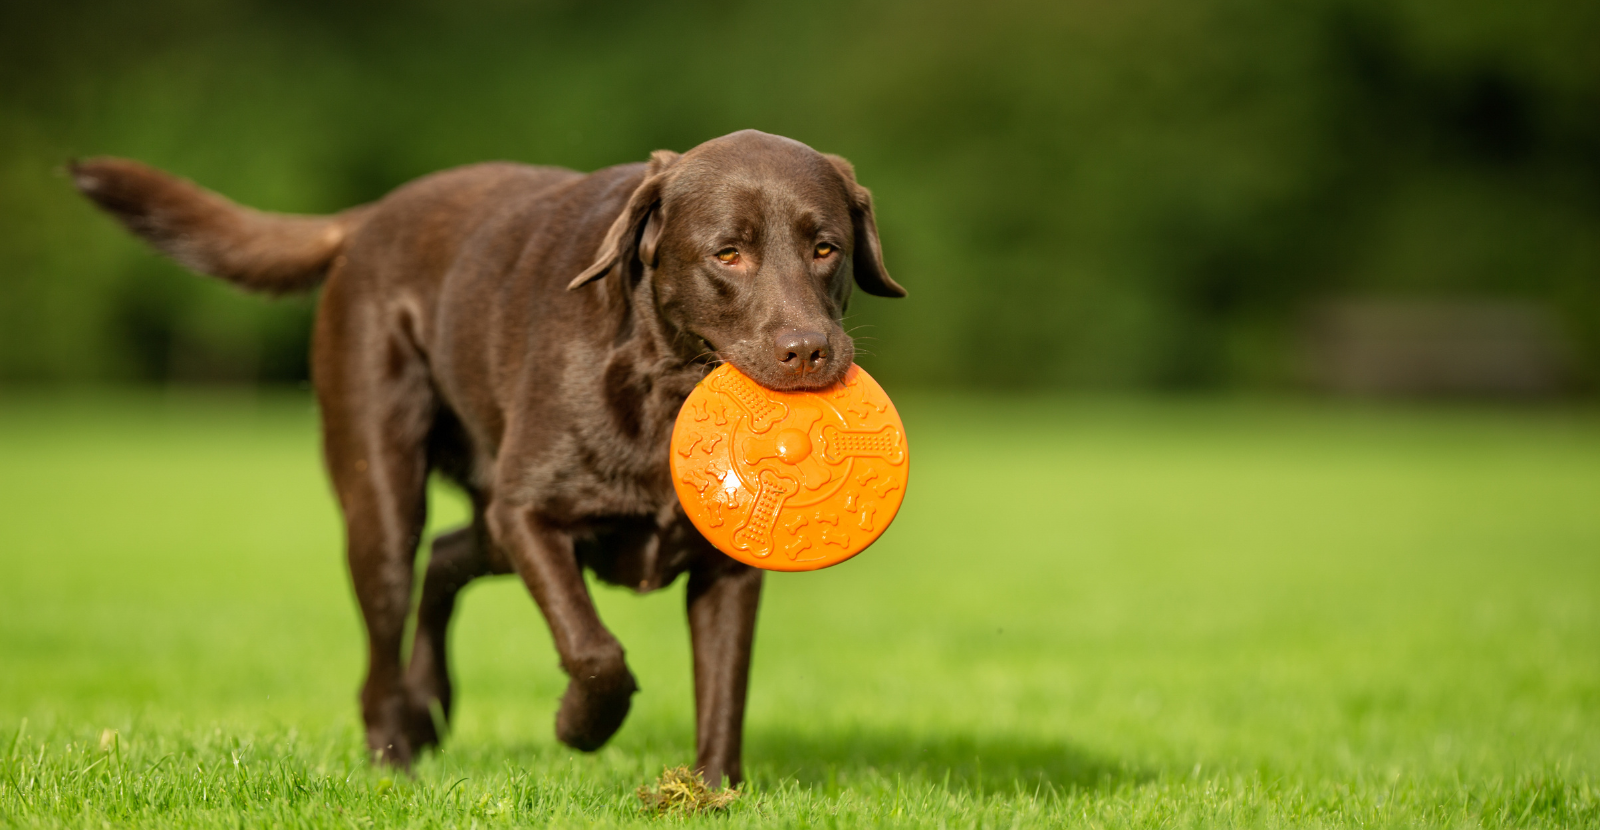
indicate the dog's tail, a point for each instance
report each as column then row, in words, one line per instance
column 269, row 252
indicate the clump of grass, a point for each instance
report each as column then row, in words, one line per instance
column 682, row 790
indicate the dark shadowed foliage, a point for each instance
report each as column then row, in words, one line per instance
column 1153, row 193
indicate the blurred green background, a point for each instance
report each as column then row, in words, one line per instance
column 1108, row 609
column 1127, row 195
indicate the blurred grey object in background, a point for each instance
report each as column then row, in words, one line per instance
column 1437, row 348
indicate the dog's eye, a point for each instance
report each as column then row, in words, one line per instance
column 824, row 250
column 728, row 256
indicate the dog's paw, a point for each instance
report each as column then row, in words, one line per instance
column 593, row 709
column 421, row 730
column 402, row 739
column 399, row 728
column 389, row 748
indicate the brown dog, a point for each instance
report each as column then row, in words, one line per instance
column 531, row 333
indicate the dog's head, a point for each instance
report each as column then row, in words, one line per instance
column 751, row 243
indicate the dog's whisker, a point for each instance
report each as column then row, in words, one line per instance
column 715, row 359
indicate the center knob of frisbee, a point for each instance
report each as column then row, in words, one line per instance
column 793, row 446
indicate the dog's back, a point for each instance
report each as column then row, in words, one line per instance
column 276, row 253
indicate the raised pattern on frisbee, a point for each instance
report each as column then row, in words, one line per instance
column 790, row 481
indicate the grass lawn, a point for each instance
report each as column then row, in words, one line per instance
column 1088, row 613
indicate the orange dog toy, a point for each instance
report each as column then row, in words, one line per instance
column 789, row 481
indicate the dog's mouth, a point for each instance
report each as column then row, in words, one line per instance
column 772, row 375
column 810, row 383
column 759, row 365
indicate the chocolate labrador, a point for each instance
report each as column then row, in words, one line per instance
column 530, row 333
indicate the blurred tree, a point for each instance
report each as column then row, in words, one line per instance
column 1140, row 194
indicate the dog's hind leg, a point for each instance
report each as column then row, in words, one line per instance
column 458, row 558
column 377, row 408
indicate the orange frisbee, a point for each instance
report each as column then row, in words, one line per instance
column 789, row 481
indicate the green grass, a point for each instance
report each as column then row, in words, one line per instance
column 1088, row 613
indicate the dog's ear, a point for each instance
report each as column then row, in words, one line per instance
column 868, row 255
column 637, row 230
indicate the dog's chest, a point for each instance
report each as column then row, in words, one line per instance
column 609, row 455
column 640, row 552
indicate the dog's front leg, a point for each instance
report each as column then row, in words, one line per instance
column 601, row 687
column 723, row 597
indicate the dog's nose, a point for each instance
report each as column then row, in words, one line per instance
column 801, row 352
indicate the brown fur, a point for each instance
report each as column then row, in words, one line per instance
column 531, row 333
